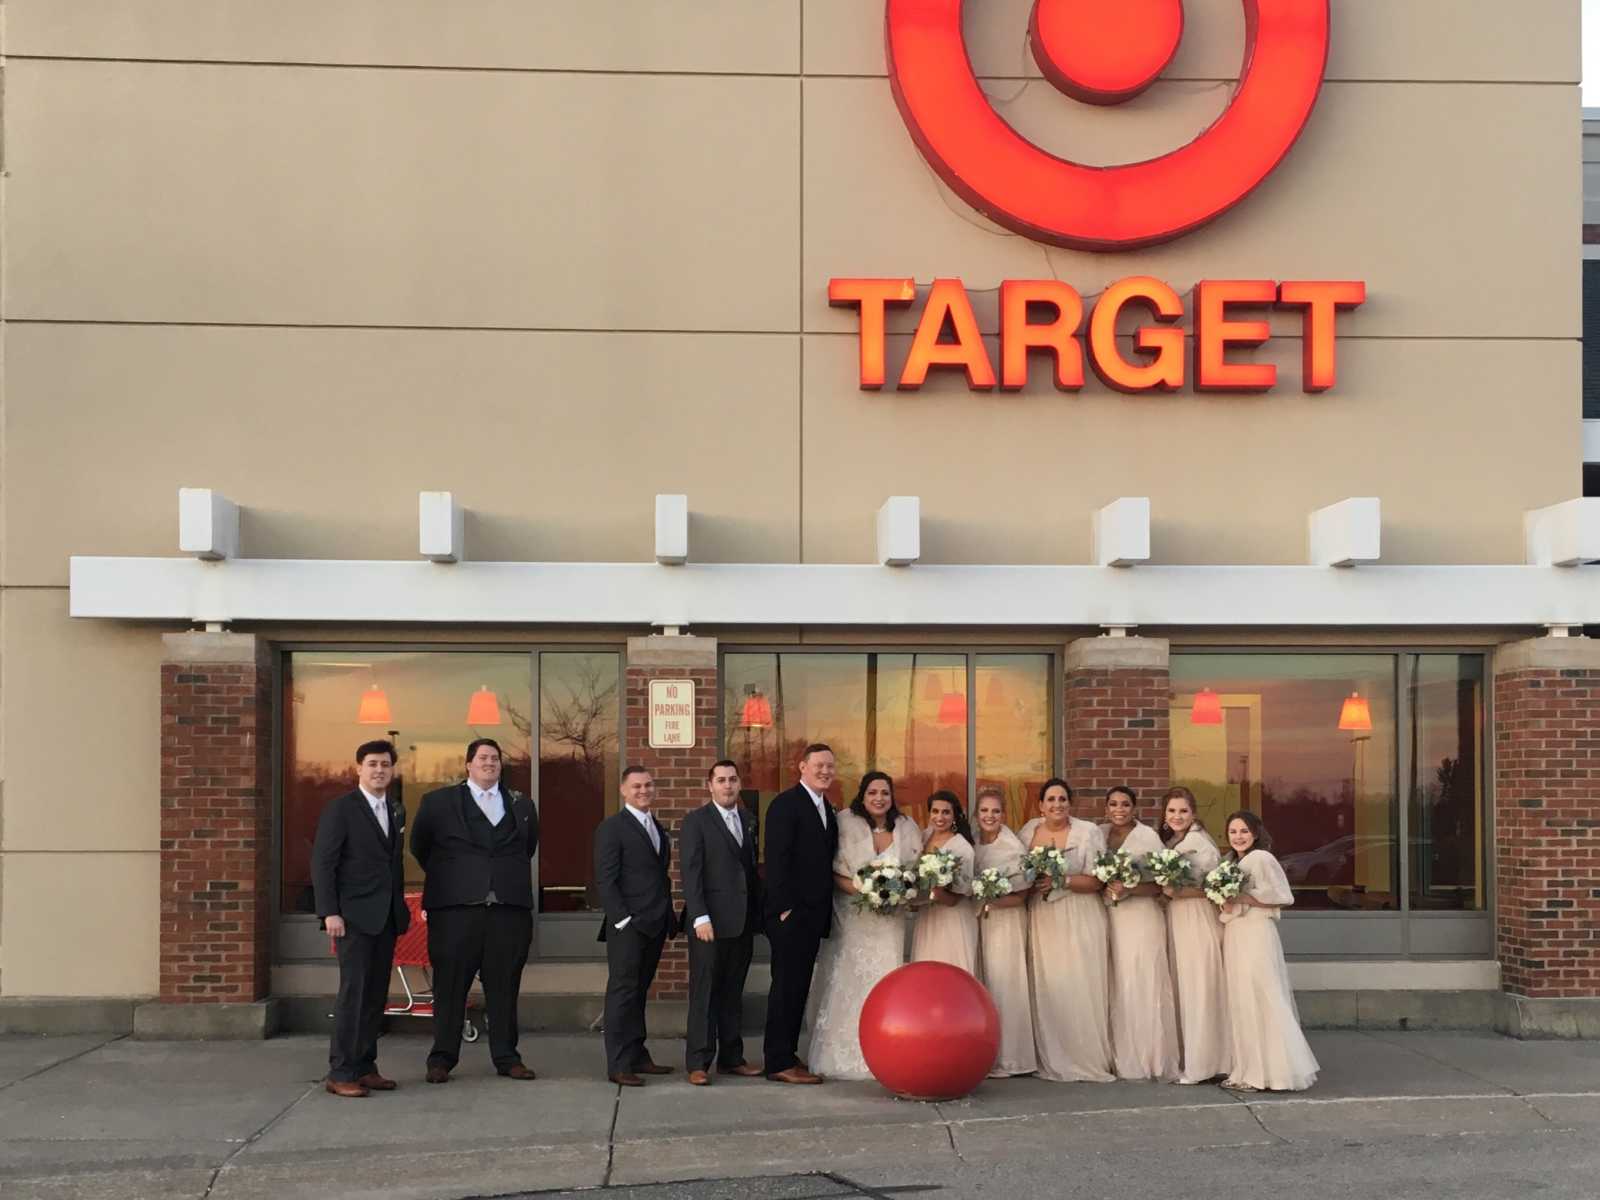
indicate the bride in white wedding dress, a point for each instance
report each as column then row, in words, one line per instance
column 864, row 946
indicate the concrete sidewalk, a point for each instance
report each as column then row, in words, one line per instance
column 86, row 1117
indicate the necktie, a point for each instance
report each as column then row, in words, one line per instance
column 650, row 828
column 732, row 820
column 491, row 806
column 381, row 811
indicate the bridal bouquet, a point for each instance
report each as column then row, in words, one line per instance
column 1047, row 860
column 937, row 868
column 1170, row 869
column 1224, row 882
column 990, row 885
column 883, row 888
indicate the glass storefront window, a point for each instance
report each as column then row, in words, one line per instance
column 1445, row 813
column 1308, row 742
column 430, row 705
column 578, row 771
column 911, row 714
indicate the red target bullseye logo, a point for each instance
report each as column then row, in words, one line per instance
column 1104, row 52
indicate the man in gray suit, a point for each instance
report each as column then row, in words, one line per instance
column 722, row 894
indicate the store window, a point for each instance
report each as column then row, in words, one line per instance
column 931, row 720
column 430, row 705
column 1314, row 743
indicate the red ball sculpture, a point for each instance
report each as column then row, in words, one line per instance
column 929, row 1031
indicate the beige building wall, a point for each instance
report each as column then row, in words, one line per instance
column 559, row 257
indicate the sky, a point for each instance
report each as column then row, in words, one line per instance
column 1591, row 53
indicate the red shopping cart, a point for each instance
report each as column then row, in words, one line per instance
column 411, row 950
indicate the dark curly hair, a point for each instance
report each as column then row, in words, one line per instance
column 859, row 804
column 963, row 826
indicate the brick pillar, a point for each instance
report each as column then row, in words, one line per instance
column 1547, row 827
column 1118, row 695
column 680, row 775
column 216, row 838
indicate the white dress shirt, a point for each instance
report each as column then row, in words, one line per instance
column 819, row 800
column 492, row 806
column 380, row 809
column 651, row 832
column 730, row 818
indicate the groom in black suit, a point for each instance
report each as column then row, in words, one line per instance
column 722, row 907
column 358, row 874
column 801, row 838
column 631, row 854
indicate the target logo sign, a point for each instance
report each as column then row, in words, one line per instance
column 1104, row 52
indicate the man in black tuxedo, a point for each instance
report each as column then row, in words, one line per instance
column 801, row 838
column 722, row 905
column 631, row 853
column 358, row 876
column 476, row 842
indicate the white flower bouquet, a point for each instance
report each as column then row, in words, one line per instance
column 990, row 885
column 1224, row 882
column 937, row 868
column 1169, row 868
column 1047, row 860
column 883, row 888
column 1116, row 866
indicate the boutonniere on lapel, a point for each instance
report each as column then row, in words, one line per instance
column 397, row 817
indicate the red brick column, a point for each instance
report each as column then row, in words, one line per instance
column 680, row 775
column 216, row 819
column 1118, row 695
column 1547, row 817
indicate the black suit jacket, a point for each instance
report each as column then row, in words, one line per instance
column 461, row 869
column 631, row 877
column 800, row 857
column 356, row 871
column 719, row 875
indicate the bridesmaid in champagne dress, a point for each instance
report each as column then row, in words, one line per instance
column 1003, row 937
column 1269, row 1051
column 1144, row 1019
column 1067, row 958
column 1195, row 941
column 947, row 927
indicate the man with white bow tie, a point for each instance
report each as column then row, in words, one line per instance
column 631, row 854
column 722, row 908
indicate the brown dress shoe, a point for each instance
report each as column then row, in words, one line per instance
column 377, row 1083
column 518, row 1071
column 651, row 1068
column 748, row 1070
column 794, row 1075
column 438, row 1075
column 347, row 1088
column 627, row 1079
column 699, row 1078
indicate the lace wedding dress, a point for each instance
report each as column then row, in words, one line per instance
column 863, row 948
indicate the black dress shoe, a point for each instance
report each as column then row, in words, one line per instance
column 438, row 1075
column 651, row 1068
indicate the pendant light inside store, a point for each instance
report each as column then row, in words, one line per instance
column 1356, row 715
column 757, row 711
column 1207, row 708
column 953, row 709
column 483, row 708
column 374, row 707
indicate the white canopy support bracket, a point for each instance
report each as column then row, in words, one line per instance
column 1120, row 532
column 1563, row 535
column 1346, row 533
column 208, row 524
column 441, row 527
column 900, row 531
column 672, row 530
